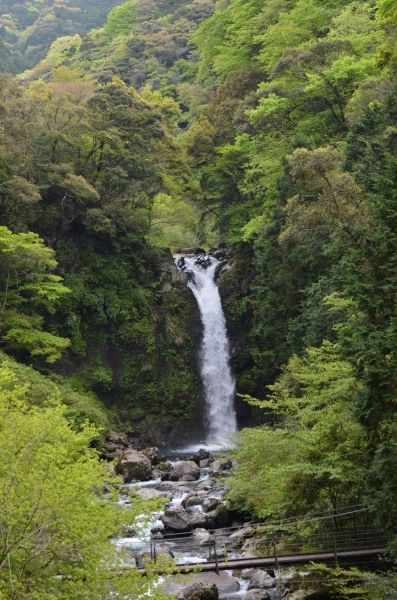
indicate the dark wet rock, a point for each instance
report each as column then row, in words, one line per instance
column 200, row 591
column 164, row 470
column 202, row 454
column 181, row 263
column 192, row 500
column 134, row 465
column 119, row 439
column 220, row 468
column 204, row 261
column 257, row 594
column 210, row 504
column 185, row 470
column 221, row 516
column 153, row 455
column 110, row 452
column 219, row 254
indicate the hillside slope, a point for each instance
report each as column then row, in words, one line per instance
column 28, row 28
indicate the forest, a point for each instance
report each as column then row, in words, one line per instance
column 131, row 129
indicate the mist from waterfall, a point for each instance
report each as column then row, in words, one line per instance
column 218, row 381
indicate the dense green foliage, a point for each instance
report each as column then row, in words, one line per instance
column 79, row 166
column 55, row 522
column 268, row 125
column 313, row 456
column 28, row 28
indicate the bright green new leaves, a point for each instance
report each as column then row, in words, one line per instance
column 313, row 456
column 387, row 10
column 305, row 22
column 121, row 19
column 387, row 16
column 174, row 222
column 29, row 291
column 55, row 520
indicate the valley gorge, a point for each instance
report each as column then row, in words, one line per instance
column 198, row 295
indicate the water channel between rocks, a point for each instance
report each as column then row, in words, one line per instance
column 195, row 509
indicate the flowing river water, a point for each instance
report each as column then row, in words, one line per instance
column 187, row 548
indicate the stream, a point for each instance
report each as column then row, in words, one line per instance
column 183, row 529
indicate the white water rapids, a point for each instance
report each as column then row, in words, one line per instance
column 218, row 381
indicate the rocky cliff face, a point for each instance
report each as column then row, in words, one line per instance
column 235, row 287
column 178, row 334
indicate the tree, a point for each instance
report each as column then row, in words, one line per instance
column 313, row 455
column 29, row 291
column 328, row 198
column 55, row 520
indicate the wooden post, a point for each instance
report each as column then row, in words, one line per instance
column 275, row 551
column 335, row 549
column 216, row 558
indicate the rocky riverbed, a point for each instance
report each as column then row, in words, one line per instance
column 195, row 513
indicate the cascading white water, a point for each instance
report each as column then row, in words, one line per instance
column 218, row 381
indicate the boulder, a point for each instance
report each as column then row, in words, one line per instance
column 210, row 504
column 226, row 584
column 119, row 439
column 200, row 591
column 201, row 520
column 177, row 519
column 260, row 579
column 207, row 485
column 185, row 470
column 220, row 467
column 110, row 452
column 254, row 547
column 257, row 594
column 163, row 470
column 221, row 516
column 192, row 500
column 201, row 455
column 201, row 537
column 153, row 455
column 249, row 573
column 303, row 595
column 238, row 538
column 134, row 465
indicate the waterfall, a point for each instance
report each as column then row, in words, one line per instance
column 218, row 381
